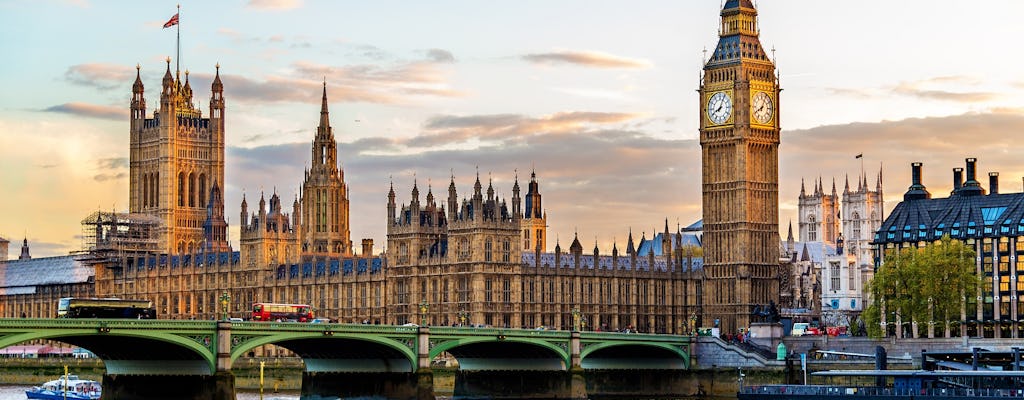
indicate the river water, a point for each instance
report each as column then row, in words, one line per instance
column 16, row 392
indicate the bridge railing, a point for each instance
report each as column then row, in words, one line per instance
column 72, row 323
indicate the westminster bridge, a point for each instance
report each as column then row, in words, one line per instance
column 150, row 359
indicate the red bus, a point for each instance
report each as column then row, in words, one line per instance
column 282, row 312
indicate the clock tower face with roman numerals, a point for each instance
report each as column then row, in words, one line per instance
column 739, row 138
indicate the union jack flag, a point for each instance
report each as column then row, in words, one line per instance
column 171, row 22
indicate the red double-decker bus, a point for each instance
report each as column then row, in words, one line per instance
column 282, row 312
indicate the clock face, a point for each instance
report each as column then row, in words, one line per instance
column 762, row 108
column 719, row 107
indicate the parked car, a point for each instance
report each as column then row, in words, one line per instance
column 800, row 329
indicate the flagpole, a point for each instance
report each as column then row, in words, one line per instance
column 177, row 44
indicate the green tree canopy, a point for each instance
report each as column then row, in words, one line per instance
column 925, row 285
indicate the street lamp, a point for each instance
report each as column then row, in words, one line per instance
column 424, row 306
column 575, row 319
column 225, row 299
column 463, row 315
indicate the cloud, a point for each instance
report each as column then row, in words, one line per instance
column 926, row 89
column 90, row 110
column 447, row 129
column 112, row 163
column 274, row 5
column 394, row 84
column 440, row 56
column 98, row 75
column 586, row 59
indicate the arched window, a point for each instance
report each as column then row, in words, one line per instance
column 181, row 189
column 463, row 249
column 856, row 226
column 506, row 250
column 191, row 190
column 812, row 229
column 489, row 250
column 202, row 190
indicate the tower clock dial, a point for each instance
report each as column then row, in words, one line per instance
column 719, row 107
column 761, row 107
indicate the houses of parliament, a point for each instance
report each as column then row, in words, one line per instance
column 465, row 257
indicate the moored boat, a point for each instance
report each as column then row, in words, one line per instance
column 70, row 389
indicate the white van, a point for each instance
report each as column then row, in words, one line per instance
column 799, row 329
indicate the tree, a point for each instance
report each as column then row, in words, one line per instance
column 922, row 286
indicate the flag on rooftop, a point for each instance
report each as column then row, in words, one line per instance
column 171, row 22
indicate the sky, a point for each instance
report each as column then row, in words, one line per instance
column 598, row 97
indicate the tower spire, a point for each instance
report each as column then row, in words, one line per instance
column 325, row 120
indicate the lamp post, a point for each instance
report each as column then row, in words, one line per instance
column 225, row 299
column 575, row 319
column 424, row 306
column 463, row 315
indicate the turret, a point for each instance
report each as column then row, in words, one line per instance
column 453, row 200
column 533, row 199
column 24, row 251
column 217, row 102
column 244, row 214
column 391, row 205
column 516, row 201
column 296, row 213
column 138, row 105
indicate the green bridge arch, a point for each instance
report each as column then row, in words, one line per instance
column 254, row 342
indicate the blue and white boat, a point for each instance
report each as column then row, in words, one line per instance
column 71, row 389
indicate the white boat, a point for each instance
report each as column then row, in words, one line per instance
column 74, row 389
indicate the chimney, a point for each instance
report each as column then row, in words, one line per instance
column 367, row 247
column 958, row 178
column 993, row 183
column 971, row 186
column 916, row 190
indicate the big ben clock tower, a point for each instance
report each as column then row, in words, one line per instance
column 739, row 139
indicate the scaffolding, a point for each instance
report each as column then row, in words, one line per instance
column 120, row 233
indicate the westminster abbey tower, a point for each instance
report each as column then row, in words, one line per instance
column 739, row 138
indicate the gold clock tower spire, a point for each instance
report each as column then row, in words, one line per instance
column 739, row 138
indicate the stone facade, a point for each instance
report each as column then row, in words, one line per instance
column 176, row 162
column 739, row 137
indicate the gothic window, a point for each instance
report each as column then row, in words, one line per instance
column 191, row 190
column 202, row 190
column 506, row 255
column 403, row 253
column 181, row 189
column 856, row 226
column 835, row 277
column 506, row 291
column 539, row 237
column 463, row 249
column 526, row 239
column 851, row 281
column 488, row 290
column 489, row 250
column 812, row 229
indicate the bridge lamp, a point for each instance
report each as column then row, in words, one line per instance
column 424, row 306
column 576, row 319
column 328, row 333
column 225, row 299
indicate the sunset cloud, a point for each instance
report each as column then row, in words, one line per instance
column 446, row 129
column 587, row 59
column 396, row 84
column 90, row 110
column 99, row 75
column 937, row 88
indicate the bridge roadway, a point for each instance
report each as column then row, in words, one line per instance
column 394, row 359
